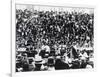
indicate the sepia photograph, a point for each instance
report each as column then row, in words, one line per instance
column 52, row 38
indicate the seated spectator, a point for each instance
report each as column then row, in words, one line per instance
column 60, row 64
column 38, row 62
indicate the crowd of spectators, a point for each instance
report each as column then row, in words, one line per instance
column 47, row 40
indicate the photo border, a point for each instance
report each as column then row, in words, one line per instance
column 13, row 43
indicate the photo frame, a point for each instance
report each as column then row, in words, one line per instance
column 50, row 8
